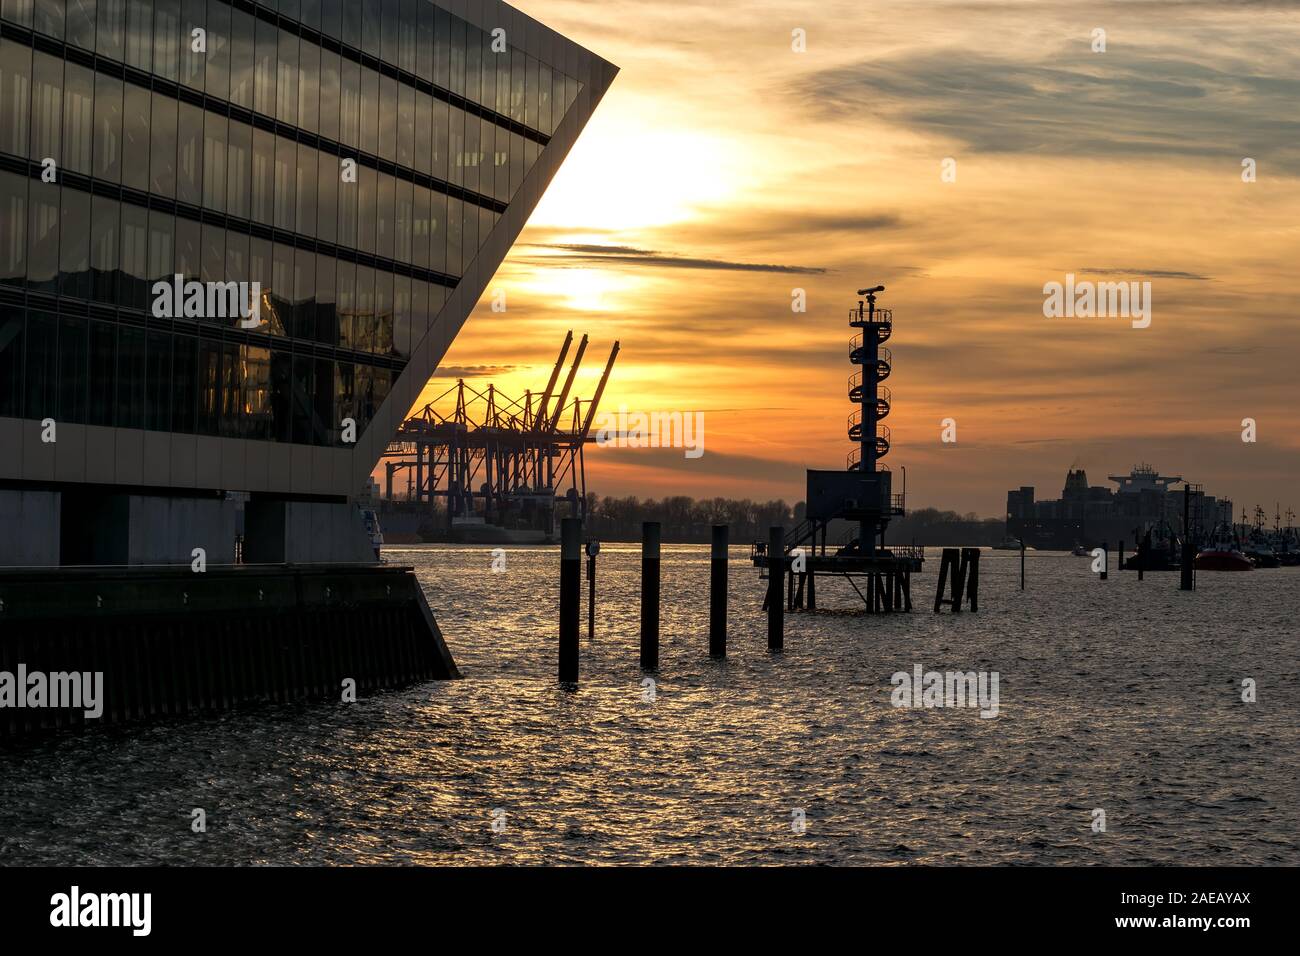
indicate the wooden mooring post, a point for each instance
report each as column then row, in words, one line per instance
column 650, row 540
column 570, row 593
column 1120, row 566
column 1022, row 564
column 1105, row 560
column 775, row 574
column 964, row 567
column 718, row 592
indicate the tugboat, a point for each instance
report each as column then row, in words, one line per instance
column 1223, row 555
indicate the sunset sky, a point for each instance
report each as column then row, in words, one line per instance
column 724, row 170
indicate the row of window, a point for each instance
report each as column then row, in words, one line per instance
column 83, row 371
column 261, row 66
column 98, row 125
column 67, row 242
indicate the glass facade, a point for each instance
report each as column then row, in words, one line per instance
column 235, row 164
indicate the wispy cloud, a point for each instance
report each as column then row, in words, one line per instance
column 589, row 254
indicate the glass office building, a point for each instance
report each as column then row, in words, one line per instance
column 368, row 163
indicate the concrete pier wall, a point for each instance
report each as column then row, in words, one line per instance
column 169, row 641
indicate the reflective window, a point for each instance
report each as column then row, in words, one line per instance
column 387, row 118
column 189, row 248
column 441, row 47
column 166, row 37
column 43, row 236
column 15, row 96
column 384, row 216
column 305, row 191
column 345, row 291
column 139, row 33
column 382, row 343
column 370, row 115
column 327, row 210
column 162, row 152
column 406, row 126
column 48, row 17
column 134, row 279
column 286, row 95
column 41, row 376
column 367, row 208
column 217, row 81
column 351, row 31
column 189, row 162
column 424, row 43
column 78, row 117
column 13, row 228
column 47, row 107
column 184, row 403
column 103, row 249
column 349, row 193
column 403, row 225
column 112, row 23
column 158, row 380
column 241, row 57
column 327, row 322
column 286, row 171
column 267, row 39
column 330, row 81
column 350, row 130
column 239, row 161
column 263, row 176
column 192, row 63
column 370, row 27
column 214, row 254
column 424, row 132
column 79, row 23
column 389, row 20
column 304, row 294
column 309, row 87
column 135, row 137
column 72, row 369
column 214, row 161
column 74, row 249
column 130, row 377
column 162, row 247
column 108, row 128
column 102, row 371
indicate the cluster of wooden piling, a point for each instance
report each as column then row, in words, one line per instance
column 651, row 547
column 963, row 566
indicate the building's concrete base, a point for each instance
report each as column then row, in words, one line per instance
column 172, row 641
column 29, row 529
column 96, row 525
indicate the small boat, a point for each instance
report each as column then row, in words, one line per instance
column 1080, row 551
column 1010, row 544
column 1223, row 556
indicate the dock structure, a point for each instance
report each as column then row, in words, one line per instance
column 496, row 461
column 861, row 494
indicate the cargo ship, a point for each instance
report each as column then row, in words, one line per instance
column 1088, row 516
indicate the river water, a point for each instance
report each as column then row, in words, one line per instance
column 1116, row 696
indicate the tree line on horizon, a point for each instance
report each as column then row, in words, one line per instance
column 685, row 520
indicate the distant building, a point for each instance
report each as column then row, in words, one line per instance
column 368, row 164
column 1089, row 515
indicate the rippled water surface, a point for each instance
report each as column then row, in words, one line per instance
column 1121, row 696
